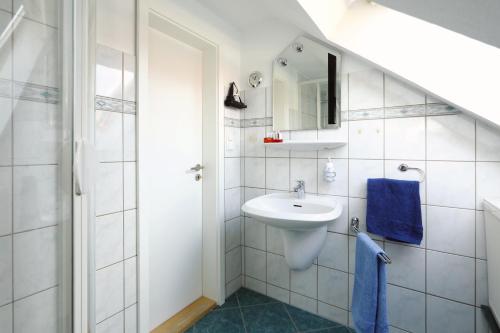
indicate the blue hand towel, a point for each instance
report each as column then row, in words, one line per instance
column 393, row 210
column 369, row 307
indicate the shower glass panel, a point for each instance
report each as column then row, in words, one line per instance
column 35, row 166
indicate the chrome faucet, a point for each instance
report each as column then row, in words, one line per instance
column 300, row 189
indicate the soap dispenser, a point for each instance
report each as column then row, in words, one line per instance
column 329, row 172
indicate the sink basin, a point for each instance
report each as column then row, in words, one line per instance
column 302, row 222
column 284, row 210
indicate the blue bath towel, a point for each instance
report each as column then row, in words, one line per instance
column 393, row 210
column 369, row 298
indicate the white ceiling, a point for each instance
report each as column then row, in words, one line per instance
column 245, row 14
column 240, row 14
column 478, row 19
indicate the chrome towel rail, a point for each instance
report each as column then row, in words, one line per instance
column 355, row 228
column 404, row 167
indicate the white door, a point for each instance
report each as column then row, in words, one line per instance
column 175, row 112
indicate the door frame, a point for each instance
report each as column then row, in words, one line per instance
column 213, row 277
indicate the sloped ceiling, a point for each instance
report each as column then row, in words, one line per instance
column 477, row 19
column 452, row 67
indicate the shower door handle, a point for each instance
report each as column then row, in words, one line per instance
column 84, row 166
column 77, row 168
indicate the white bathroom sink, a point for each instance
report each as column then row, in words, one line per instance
column 302, row 222
column 284, row 210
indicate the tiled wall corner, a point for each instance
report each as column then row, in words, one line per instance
column 116, row 227
column 233, row 172
column 388, row 123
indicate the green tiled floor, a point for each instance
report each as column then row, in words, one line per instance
column 249, row 312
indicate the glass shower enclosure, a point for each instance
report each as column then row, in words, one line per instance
column 36, row 140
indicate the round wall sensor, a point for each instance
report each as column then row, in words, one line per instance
column 255, row 79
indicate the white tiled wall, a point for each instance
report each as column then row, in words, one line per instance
column 116, row 227
column 435, row 287
column 233, row 195
column 31, row 209
column 115, row 134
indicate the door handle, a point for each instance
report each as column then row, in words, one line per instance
column 197, row 167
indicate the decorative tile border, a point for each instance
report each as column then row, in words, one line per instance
column 435, row 109
column 366, row 114
column 405, row 111
column 231, row 122
column 243, row 123
column 129, row 107
column 257, row 122
column 36, row 93
column 108, row 104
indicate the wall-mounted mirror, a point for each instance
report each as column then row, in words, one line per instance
column 306, row 87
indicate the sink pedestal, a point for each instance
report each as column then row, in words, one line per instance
column 303, row 246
